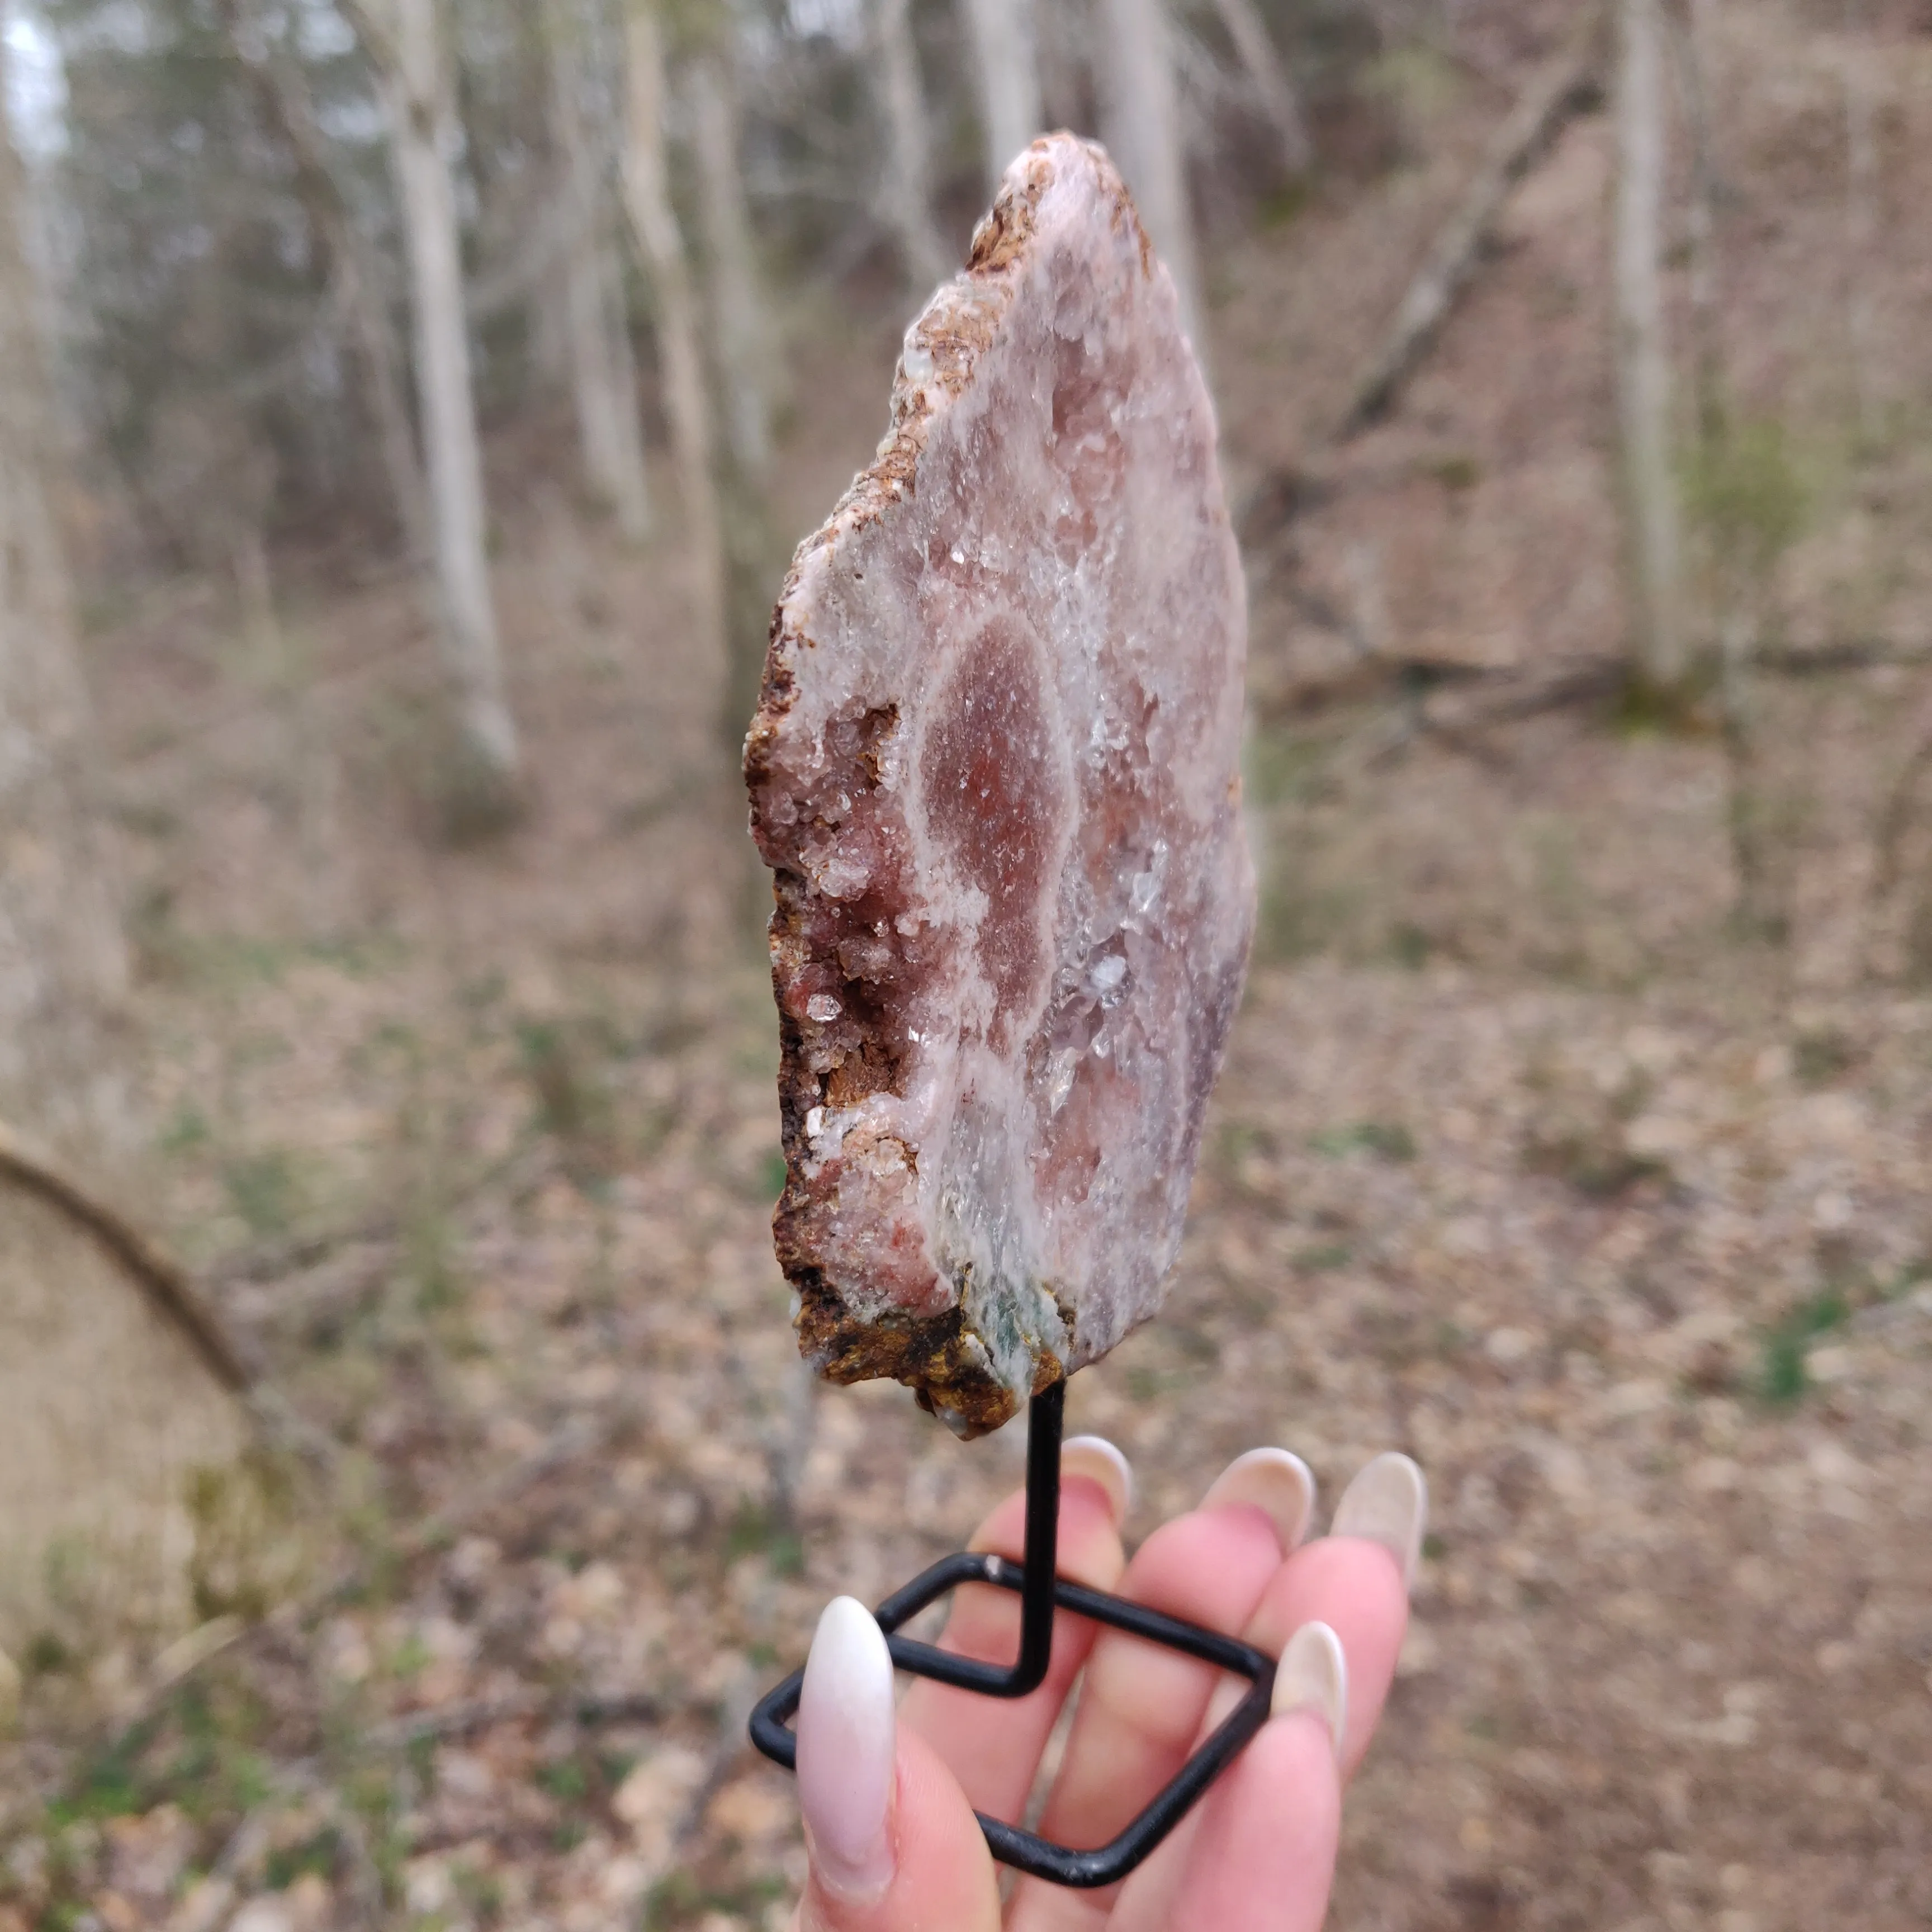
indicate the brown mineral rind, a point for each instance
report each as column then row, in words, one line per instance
column 993, row 772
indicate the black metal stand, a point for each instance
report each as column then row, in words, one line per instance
column 1040, row 1591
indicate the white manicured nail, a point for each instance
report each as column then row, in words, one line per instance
column 1278, row 1484
column 1313, row 1675
column 847, row 1729
column 1388, row 1503
column 1094, row 1455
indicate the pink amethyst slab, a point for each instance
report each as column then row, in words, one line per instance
column 994, row 771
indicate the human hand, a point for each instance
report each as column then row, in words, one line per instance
column 889, row 1796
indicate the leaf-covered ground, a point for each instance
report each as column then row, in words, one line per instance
column 1523, row 1163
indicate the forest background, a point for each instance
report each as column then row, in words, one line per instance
column 405, row 411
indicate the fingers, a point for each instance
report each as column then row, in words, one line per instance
column 847, row 1726
column 1387, row 1503
column 993, row 1747
column 1278, row 1484
column 1355, row 1579
column 1260, row 1850
column 1141, row 1705
column 1094, row 1459
column 1313, row 1675
column 1259, row 1854
column 1263, row 1855
column 1334, row 1613
column 892, row 1839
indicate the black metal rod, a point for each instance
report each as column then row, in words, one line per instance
column 1041, row 1592
column 1046, row 1422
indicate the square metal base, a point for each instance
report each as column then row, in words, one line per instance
column 1041, row 1592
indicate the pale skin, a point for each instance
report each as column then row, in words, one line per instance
column 1258, row 1854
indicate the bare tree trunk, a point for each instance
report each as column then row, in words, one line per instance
column 1276, row 93
column 743, row 357
column 661, row 245
column 1063, row 40
column 905, row 187
column 284, row 93
column 1862, row 217
column 1900, row 816
column 106, row 1404
column 1141, row 121
column 1005, row 51
column 1761, row 910
column 1642, row 355
column 359, row 284
column 1692, row 35
column 603, row 378
column 741, row 334
column 1555, row 92
column 63, row 965
column 406, row 45
column 310, row 767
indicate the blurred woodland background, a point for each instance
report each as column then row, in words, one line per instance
column 406, row 408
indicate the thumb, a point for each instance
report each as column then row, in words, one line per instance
column 892, row 1841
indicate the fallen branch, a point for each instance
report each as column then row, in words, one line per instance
column 171, row 1293
column 165, row 1285
column 1484, row 698
column 1560, row 88
column 1896, row 814
column 273, row 1261
column 580, row 1437
column 332, row 1292
column 729, row 1742
column 364, row 1889
column 1269, row 78
column 1826, row 660
column 1515, row 697
column 483, row 1714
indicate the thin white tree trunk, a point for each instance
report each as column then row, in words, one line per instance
column 1761, row 909
column 1141, row 121
column 1643, row 353
column 905, row 186
column 283, row 92
column 654, row 224
column 358, row 284
column 63, row 965
column 1693, row 34
column 106, row 1407
column 1862, row 217
column 406, row 47
column 1005, row 51
column 1556, row 91
column 741, row 332
column 744, row 361
column 604, row 382
column 309, row 766
column 1269, row 78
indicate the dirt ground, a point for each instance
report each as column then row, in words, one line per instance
column 1522, row 1162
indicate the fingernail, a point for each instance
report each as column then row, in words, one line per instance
column 847, row 1735
column 1388, row 1503
column 1313, row 1675
column 1279, row 1484
column 1094, row 1455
